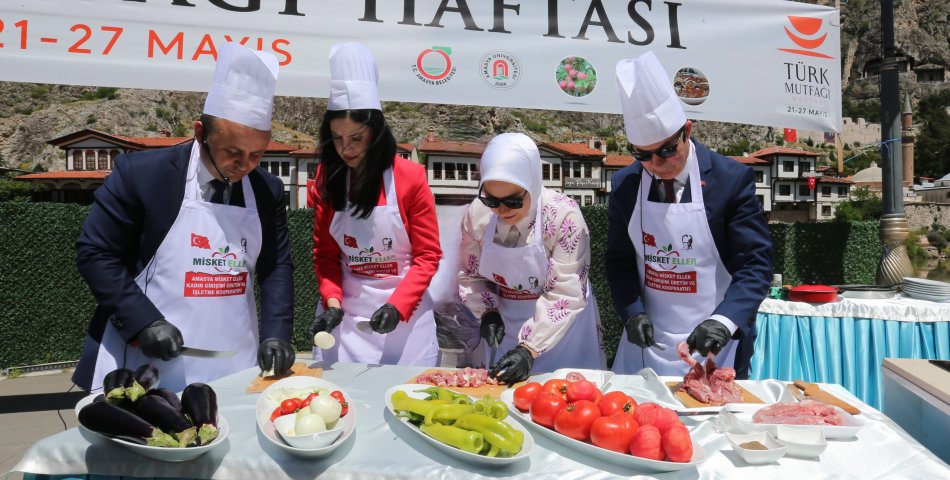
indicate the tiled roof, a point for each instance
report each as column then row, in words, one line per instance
column 750, row 160
column 277, row 147
column 578, row 149
column 405, row 146
column 824, row 179
column 66, row 175
column 618, row 160
column 782, row 151
column 153, row 142
column 305, row 152
column 447, row 146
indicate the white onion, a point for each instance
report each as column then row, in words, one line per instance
column 324, row 340
column 327, row 408
column 308, row 424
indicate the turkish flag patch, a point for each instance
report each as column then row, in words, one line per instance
column 200, row 242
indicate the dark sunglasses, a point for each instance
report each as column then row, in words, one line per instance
column 666, row 151
column 513, row 203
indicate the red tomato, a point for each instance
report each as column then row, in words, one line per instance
column 614, row 432
column 646, row 413
column 545, row 407
column 338, row 395
column 526, row 394
column 306, row 402
column 617, row 401
column 677, row 444
column 666, row 419
column 556, row 386
column 581, row 390
column 576, row 418
column 647, row 443
column 289, row 406
column 275, row 414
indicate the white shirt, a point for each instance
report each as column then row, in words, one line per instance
column 204, row 182
column 567, row 243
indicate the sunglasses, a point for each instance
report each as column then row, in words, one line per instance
column 665, row 151
column 513, row 203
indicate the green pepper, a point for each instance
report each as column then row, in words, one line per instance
column 446, row 414
column 465, row 440
column 491, row 407
column 445, row 394
column 496, row 432
column 403, row 402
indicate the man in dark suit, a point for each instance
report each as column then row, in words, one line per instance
column 176, row 236
column 703, row 290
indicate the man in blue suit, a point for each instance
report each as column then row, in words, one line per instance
column 688, row 249
column 177, row 236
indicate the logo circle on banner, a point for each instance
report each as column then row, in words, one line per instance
column 575, row 76
column 434, row 64
column 500, row 69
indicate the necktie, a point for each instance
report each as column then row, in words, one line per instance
column 668, row 193
column 219, row 187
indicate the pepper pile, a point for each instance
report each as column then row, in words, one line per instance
column 135, row 410
column 453, row 419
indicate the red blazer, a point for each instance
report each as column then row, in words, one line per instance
column 417, row 208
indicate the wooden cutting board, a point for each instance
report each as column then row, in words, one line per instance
column 476, row 392
column 812, row 391
column 298, row 369
column 689, row 402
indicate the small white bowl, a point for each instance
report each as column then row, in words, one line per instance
column 284, row 424
column 775, row 450
column 805, row 443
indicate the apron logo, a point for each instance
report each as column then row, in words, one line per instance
column 517, row 292
column 649, row 240
column 665, row 256
column 200, row 242
column 533, row 281
column 222, row 260
column 499, row 279
column 387, row 244
column 687, row 242
column 350, row 241
column 244, row 244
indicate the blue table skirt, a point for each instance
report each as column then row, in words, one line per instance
column 844, row 350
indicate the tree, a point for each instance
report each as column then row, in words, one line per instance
column 863, row 205
column 932, row 151
column 14, row 191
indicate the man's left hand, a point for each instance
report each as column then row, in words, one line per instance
column 709, row 336
column 276, row 354
column 385, row 319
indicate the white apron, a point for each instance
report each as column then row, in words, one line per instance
column 375, row 256
column 683, row 278
column 202, row 280
column 520, row 274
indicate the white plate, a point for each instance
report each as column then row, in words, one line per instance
column 411, row 390
column 265, row 407
column 591, row 450
column 600, row 378
column 801, row 442
column 165, row 454
column 928, row 297
column 756, row 457
column 849, row 429
column 927, row 283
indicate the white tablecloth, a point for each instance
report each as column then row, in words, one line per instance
column 378, row 449
column 900, row 308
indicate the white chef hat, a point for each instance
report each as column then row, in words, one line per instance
column 514, row 158
column 243, row 88
column 651, row 109
column 354, row 78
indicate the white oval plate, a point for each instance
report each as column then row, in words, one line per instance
column 411, row 389
column 589, row 449
column 265, row 407
column 165, row 454
column 744, row 413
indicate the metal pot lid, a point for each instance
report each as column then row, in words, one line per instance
column 868, row 288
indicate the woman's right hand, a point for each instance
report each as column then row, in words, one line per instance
column 325, row 322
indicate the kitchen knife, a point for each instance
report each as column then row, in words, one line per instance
column 200, row 353
column 659, row 346
column 494, row 348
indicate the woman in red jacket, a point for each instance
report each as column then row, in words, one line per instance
column 375, row 232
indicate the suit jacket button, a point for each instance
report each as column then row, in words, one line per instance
column 118, row 324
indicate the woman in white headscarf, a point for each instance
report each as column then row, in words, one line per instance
column 525, row 265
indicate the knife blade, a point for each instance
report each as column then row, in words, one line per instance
column 201, row 353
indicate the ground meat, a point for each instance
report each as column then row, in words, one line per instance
column 808, row 412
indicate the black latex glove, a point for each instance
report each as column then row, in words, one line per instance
column 325, row 322
column 160, row 339
column 514, row 366
column 492, row 328
column 640, row 330
column 709, row 336
column 385, row 319
column 277, row 354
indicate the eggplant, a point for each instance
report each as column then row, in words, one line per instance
column 116, row 422
column 169, row 397
column 115, row 383
column 160, row 413
column 144, row 379
column 201, row 405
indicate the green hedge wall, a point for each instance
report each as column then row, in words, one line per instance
column 45, row 306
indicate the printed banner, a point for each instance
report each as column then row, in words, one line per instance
column 199, row 284
column 764, row 62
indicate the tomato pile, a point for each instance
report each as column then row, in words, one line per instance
column 294, row 404
column 576, row 408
